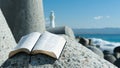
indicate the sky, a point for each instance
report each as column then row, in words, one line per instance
column 84, row 13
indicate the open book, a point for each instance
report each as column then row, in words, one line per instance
column 45, row 43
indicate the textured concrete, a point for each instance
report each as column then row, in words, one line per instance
column 23, row 16
column 7, row 42
column 74, row 55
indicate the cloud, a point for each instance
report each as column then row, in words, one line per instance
column 101, row 17
column 98, row 17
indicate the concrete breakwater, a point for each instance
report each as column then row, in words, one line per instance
column 74, row 55
column 106, row 54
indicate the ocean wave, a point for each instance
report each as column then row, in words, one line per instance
column 105, row 45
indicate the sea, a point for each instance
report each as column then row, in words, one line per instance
column 105, row 41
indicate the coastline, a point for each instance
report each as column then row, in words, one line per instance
column 73, row 55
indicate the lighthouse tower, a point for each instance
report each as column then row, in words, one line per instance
column 52, row 19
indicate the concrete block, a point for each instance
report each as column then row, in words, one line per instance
column 23, row 16
column 7, row 41
column 62, row 30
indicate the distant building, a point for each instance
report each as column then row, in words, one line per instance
column 52, row 19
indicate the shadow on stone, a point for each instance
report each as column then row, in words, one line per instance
column 108, row 56
column 41, row 59
column 117, row 63
column 96, row 50
column 117, row 52
column 20, row 60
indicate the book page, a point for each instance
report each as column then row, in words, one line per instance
column 26, row 43
column 49, row 44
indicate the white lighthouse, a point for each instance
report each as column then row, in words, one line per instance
column 52, row 19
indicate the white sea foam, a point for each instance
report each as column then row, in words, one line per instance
column 105, row 45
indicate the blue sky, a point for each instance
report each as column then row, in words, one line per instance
column 84, row 13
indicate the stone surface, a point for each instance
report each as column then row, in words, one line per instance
column 117, row 55
column 117, row 63
column 110, row 58
column 84, row 41
column 74, row 55
column 117, row 52
column 7, row 41
column 23, row 16
column 62, row 30
column 96, row 51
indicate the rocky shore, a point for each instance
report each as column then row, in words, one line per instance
column 74, row 55
column 106, row 54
